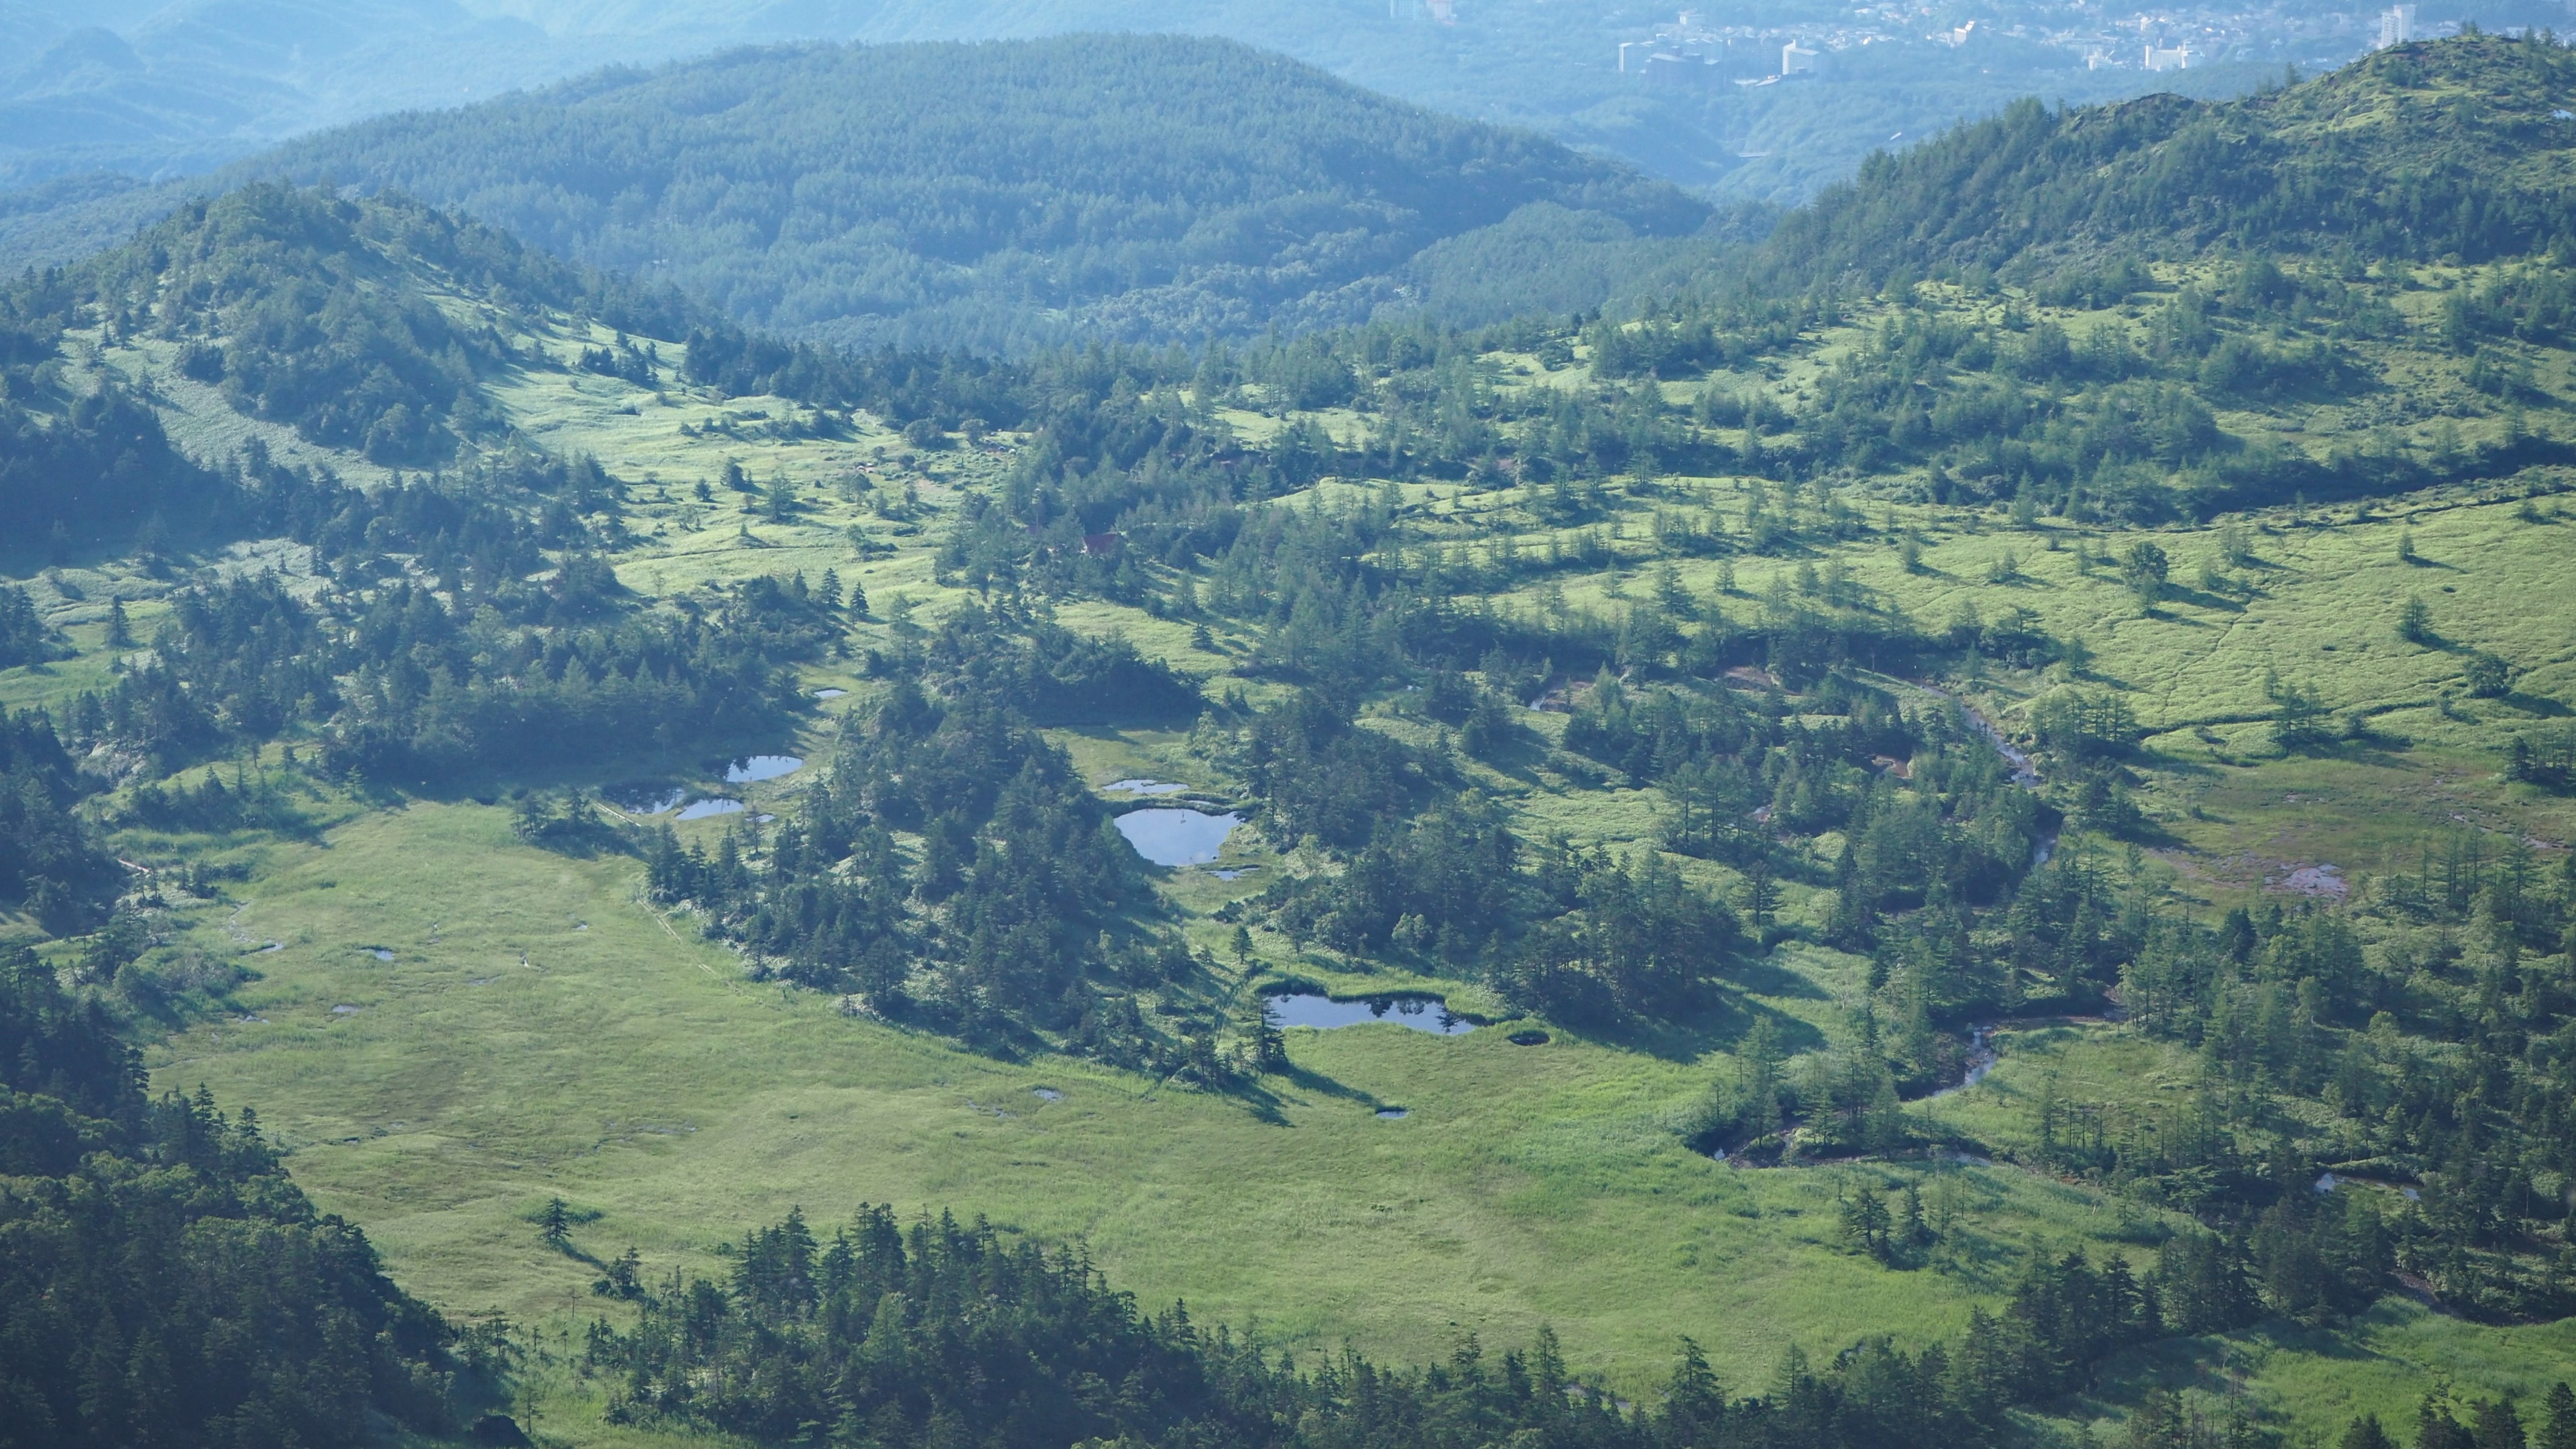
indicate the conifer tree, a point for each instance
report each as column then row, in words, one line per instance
column 1267, row 1046
column 2558, row 1428
column 1918, row 1233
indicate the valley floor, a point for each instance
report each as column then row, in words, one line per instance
column 453, row 1027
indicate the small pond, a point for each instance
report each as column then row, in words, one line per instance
column 1144, row 787
column 645, row 799
column 1177, row 837
column 709, row 809
column 1393, row 1114
column 1422, row 1013
column 830, row 693
column 761, row 767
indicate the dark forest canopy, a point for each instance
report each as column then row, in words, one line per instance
column 948, row 1333
column 1001, row 194
column 165, row 1282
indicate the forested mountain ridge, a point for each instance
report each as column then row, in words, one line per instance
column 369, row 330
column 343, row 321
column 1013, row 193
column 2424, row 151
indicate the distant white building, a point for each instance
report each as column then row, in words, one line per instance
column 2160, row 58
column 2396, row 25
column 1796, row 59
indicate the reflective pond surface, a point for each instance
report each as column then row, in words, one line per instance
column 1421, row 1013
column 1144, row 787
column 709, row 809
column 645, row 799
column 1177, row 837
column 761, row 767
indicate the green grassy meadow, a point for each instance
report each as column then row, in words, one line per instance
column 541, row 1031
column 441, row 1097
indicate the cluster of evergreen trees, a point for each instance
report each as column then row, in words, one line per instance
column 942, row 1332
column 166, row 1283
column 417, row 672
column 1025, row 916
column 24, row 636
column 401, row 685
column 52, row 865
column 77, row 469
column 2365, row 1107
column 2440, row 1052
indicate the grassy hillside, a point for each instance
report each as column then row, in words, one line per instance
column 1640, row 687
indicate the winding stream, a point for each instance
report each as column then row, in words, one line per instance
column 1981, row 1060
column 2025, row 773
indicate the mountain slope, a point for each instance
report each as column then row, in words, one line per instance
column 2425, row 151
column 996, row 195
column 1730, row 558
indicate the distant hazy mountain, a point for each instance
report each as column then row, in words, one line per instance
column 1148, row 188
column 157, row 90
column 177, row 87
column 164, row 90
